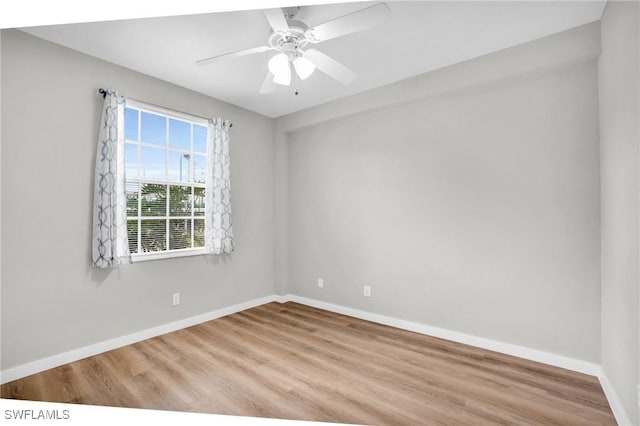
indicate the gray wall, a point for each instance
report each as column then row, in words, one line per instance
column 619, row 72
column 52, row 300
column 474, row 208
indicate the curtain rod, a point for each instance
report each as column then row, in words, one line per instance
column 104, row 95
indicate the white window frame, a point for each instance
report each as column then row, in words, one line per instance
column 153, row 109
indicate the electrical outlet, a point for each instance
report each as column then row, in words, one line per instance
column 320, row 283
column 367, row 290
column 176, row 299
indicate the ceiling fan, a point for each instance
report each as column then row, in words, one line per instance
column 290, row 38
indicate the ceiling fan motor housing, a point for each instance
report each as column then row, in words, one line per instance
column 292, row 41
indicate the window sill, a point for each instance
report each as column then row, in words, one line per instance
column 143, row 257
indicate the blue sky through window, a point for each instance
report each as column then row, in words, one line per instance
column 131, row 159
column 172, row 157
column 199, row 138
column 179, row 134
column 153, row 129
column 131, row 124
column 152, row 163
column 199, row 166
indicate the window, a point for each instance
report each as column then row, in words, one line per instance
column 165, row 166
column 162, row 184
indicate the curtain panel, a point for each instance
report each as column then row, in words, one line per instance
column 110, row 246
column 218, row 229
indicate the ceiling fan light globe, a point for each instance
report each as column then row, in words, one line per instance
column 283, row 79
column 279, row 64
column 279, row 67
column 304, row 67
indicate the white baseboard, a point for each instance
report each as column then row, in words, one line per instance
column 580, row 366
column 283, row 298
column 619, row 412
column 97, row 348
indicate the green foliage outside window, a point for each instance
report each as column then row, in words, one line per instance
column 151, row 202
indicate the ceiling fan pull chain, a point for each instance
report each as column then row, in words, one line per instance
column 296, row 80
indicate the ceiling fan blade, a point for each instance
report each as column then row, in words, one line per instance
column 268, row 85
column 235, row 54
column 351, row 23
column 277, row 20
column 330, row 66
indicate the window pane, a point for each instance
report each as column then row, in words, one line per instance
column 154, row 129
column 179, row 134
column 199, row 164
column 131, row 124
column 179, row 234
column 198, row 232
column 152, row 163
column 180, row 201
column 198, row 201
column 153, row 235
column 199, row 138
column 132, row 233
column 153, row 200
column 178, row 166
column 131, row 160
column 132, row 198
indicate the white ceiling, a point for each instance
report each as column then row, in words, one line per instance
column 420, row 36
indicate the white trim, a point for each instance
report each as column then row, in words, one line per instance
column 156, row 109
column 168, row 182
column 97, row 348
column 578, row 365
column 168, row 254
column 284, row 298
column 134, row 142
column 619, row 412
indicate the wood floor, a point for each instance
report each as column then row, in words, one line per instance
column 292, row 361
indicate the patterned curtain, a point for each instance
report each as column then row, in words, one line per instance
column 110, row 244
column 218, row 232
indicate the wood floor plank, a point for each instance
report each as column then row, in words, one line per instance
column 293, row 361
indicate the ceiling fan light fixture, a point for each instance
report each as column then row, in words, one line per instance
column 304, row 67
column 279, row 67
